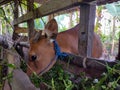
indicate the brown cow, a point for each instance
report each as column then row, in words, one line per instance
column 42, row 53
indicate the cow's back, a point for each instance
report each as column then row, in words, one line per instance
column 68, row 41
column 97, row 46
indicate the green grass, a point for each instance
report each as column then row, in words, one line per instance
column 58, row 79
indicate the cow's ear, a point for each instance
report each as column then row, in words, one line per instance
column 51, row 29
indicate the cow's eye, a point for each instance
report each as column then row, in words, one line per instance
column 33, row 57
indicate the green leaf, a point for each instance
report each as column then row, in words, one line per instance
column 1, row 12
column 11, row 65
column 114, row 9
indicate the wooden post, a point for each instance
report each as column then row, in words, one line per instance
column 16, row 13
column 30, row 22
column 118, row 56
column 87, row 18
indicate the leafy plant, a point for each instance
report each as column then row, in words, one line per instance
column 58, row 79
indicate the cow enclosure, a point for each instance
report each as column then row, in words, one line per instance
column 87, row 12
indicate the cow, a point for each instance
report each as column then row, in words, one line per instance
column 42, row 53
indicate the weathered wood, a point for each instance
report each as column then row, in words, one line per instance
column 93, row 63
column 76, row 70
column 30, row 22
column 52, row 6
column 24, row 30
column 80, row 64
column 7, row 43
column 87, row 18
column 21, row 30
column 2, row 2
column 3, row 42
column 23, row 18
column 16, row 13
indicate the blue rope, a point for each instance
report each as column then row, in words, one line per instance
column 60, row 55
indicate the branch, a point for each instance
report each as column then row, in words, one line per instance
column 7, row 42
column 3, row 42
column 90, row 66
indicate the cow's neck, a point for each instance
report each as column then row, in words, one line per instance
column 69, row 39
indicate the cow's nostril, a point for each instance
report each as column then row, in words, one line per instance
column 34, row 57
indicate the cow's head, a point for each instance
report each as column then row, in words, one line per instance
column 41, row 52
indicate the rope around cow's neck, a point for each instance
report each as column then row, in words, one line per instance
column 58, row 55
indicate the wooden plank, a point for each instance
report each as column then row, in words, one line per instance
column 2, row 2
column 99, row 64
column 52, row 6
column 78, row 64
column 23, row 30
column 87, row 18
column 23, row 18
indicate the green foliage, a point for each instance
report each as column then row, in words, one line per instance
column 117, row 35
column 1, row 12
column 23, row 65
column 1, row 82
column 11, row 66
column 58, row 79
column 40, row 23
column 4, row 72
column 8, row 77
column 6, row 16
column 104, row 38
column 114, row 9
column 35, row 79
